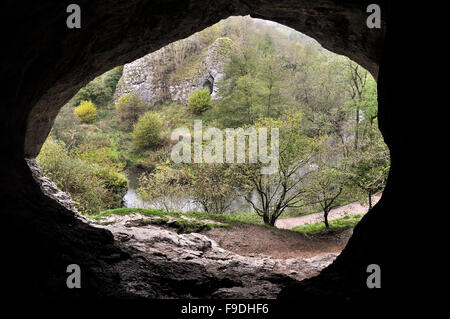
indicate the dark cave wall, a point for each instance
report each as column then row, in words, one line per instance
column 45, row 64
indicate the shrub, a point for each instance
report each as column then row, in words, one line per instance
column 213, row 187
column 116, row 183
column 66, row 127
column 96, row 91
column 74, row 176
column 200, row 101
column 86, row 112
column 111, row 78
column 147, row 132
column 129, row 106
column 93, row 187
column 165, row 188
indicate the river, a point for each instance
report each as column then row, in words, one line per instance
column 185, row 204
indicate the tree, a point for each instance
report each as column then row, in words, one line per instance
column 111, row 78
column 95, row 91
column 165, row 188
column 271, row 194
column 130, row 106
column 147, row 132
column 200, row 101
column 86, row 112
column 328, row 180
column 214, row 186
column 250, row 87
column 358, row 79
column 271, row 74
column 92, row 187
column 369, row 165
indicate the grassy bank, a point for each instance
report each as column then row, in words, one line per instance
column 336, row 225
column 183, row 222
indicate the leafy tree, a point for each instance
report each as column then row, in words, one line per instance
column 111, row 78
column 86, row 182
column 129, row 106
column 86, row 111
column 95, row 91
column 328, row 180
column 288, row 186
column 213, row 187
column 200, row 101
column 165, row 188
column 358, row 80
column 147, row 132
column 241, row 96
column 66, row 128
column 271, row 75
column 369, row 165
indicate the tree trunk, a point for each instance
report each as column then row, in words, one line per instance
column 325, row 215
column 370, row 201
column 273, row 220
column 266, row 218
column 357, row 128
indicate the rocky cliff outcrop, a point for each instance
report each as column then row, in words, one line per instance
column 193, row 265
column 49, row 188
column 155, row 78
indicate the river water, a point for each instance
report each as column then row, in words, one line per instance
column 185, row 204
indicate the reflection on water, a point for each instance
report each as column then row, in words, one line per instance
column 131, row 200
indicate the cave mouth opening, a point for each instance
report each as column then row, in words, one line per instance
column 92, row 142
column 104, row 146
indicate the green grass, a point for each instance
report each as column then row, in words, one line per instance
column 336, row 225
column 196, row 222
column 229, row 218
column 312, row 209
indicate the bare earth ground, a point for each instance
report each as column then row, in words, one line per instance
column 255, row 241
column 241, row 261
column 350, row 209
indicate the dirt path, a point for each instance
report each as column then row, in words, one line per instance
column 350, row 209
column 257, row 241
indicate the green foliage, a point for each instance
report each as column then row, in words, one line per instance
column 273, row 78
column 75, row 176
column 200, row 101
column 67, row 128
column 147, row 132
column 95, row 91
column 253, row 84
column 213, row 187
column 288, row 185
column 185, row 221
column 111, row 78
column 129, row 106
column 180, row 222
column 336, row 225
column 116, row 183
column 369, row 165
column 165, row 188
column 86, row 111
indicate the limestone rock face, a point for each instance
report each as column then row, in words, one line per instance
column 170, row 261
column 49, row 188
column 151, row 77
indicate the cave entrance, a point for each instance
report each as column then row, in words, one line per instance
column 111, row 146
column 35, row 95
column 209, row 84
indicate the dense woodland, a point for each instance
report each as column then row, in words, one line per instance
column 325, row 106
